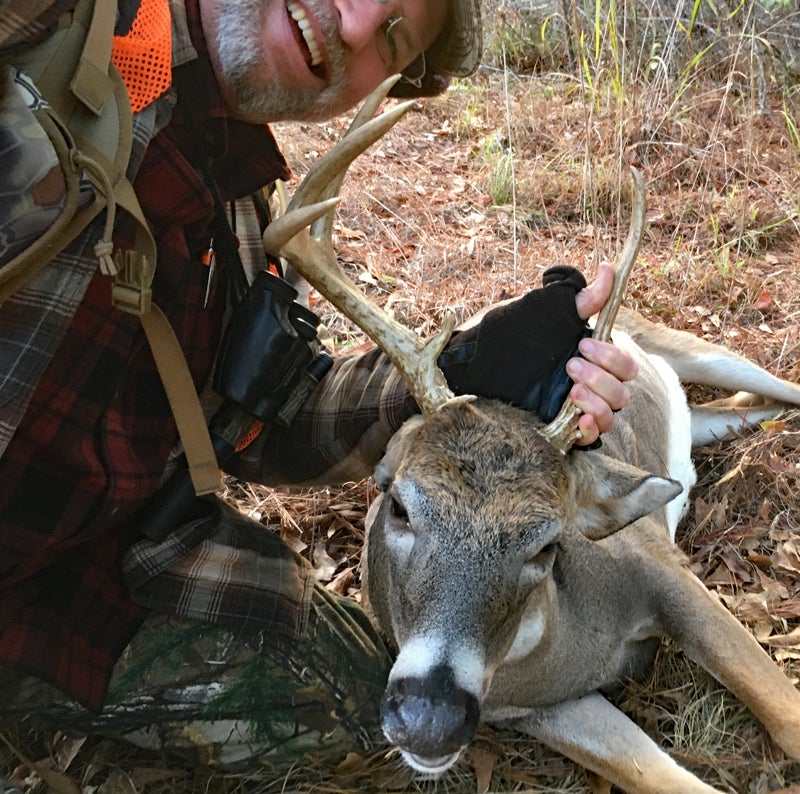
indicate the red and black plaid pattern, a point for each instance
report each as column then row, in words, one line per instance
column 93, row 443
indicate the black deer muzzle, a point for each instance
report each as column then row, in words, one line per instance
column 429, row 718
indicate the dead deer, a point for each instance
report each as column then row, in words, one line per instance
column 519, row 580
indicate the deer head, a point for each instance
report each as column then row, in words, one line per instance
column 468, row 550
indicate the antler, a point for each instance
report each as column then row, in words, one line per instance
column 563, row 431
column 312, row 255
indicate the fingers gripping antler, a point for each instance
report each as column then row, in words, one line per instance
column 563, row 431
column 312, row 255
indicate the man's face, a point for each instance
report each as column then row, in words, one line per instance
column 309, row 59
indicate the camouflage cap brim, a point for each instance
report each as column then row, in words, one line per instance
column 457, row 51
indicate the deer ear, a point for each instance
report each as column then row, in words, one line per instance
column 608, row 494
column 396, row 451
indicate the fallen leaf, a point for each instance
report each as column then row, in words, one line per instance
column 763, row 301
column 786, row 557
column 482, row 762
column 294, row 542
column 351, row 763
column 772, row 589
column 343, row 581
column 762, row 631
column 785, row 654
column 65, row 748
column 324, row 565
column 790, row 640
column 118, row 782
column 349, row 234
column 721, row 576
column 748, row 607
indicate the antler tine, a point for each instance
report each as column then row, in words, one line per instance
column 336, row 162
column 563, row 431
column 324, row 226
column 608, row 314
column 312, row 255
column 318, row 181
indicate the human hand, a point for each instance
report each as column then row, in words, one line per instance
column 524, row 351
column 517, row 350
column 599, row 376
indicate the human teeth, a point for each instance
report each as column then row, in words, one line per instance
column 299, row 16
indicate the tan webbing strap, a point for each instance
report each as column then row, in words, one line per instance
column 125, row 197
column 131, row 293
column 183, row 400
column 91, row 83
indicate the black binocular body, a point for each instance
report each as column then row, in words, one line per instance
column 269, row 361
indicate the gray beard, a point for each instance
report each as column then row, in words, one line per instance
column 255, row 95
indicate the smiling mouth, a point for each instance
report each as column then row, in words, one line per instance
column 306, row 39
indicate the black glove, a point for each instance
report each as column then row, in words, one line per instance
column 518, row 352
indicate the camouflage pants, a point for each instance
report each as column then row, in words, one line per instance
column 228, row 697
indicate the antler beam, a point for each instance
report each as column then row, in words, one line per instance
column 312, row 255
column 563, row 431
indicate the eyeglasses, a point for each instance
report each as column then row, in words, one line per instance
column 400, row 49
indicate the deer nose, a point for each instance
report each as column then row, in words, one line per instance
column 429, row 717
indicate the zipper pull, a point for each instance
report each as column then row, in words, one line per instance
column 209, row 260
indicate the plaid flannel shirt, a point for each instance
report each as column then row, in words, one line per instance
column 94, row 441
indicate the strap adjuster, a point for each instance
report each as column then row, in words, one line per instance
column 131, row 291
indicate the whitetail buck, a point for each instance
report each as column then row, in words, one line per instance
column 518, row 581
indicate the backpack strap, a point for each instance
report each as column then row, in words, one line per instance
column 92, row 83
column 183, row 400
column 89, row 123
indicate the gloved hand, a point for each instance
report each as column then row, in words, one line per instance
column 518, row 352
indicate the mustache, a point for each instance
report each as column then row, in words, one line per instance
column 255, row 93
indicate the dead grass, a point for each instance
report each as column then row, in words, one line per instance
column 419, row 229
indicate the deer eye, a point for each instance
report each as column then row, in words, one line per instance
column 543, row 558
column 399, row 532
column 397, row 510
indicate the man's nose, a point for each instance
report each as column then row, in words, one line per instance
column 361, row 19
